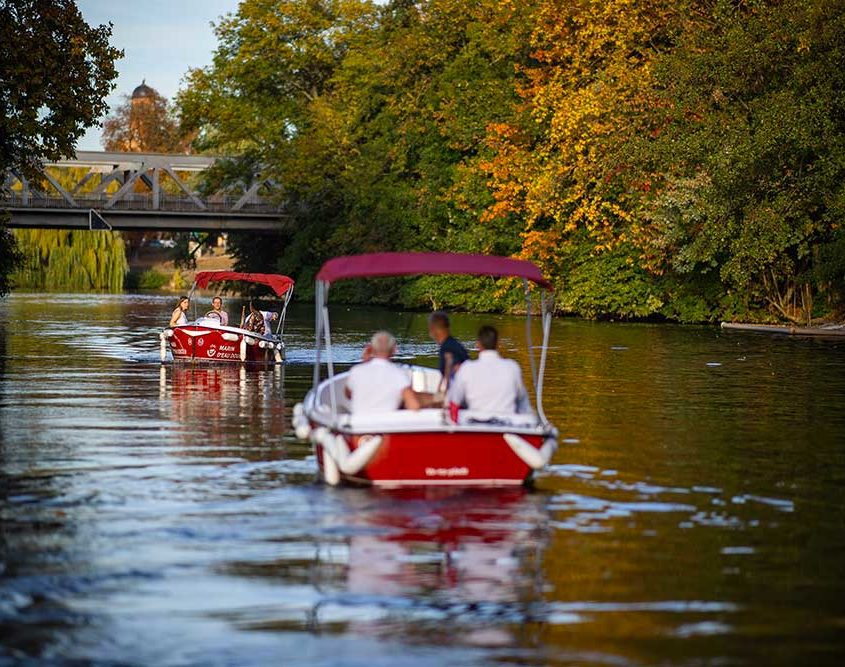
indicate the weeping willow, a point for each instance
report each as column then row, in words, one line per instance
column 63, row 260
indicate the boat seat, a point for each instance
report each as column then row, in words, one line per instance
column 515, row 420
column 432, row 418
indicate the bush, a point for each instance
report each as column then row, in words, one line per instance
column 150, row 279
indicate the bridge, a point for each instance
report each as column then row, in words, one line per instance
column 123, row 191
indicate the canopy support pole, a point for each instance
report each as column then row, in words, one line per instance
column 280, row 327
column 528, row 337
column 546, row 318
column 318, row 328
column 329, row 360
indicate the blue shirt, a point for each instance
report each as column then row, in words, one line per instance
column 459, row 353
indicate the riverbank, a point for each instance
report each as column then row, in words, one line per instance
column 157, row 268
column 823, row 330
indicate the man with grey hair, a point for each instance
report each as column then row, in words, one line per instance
column 377, row 384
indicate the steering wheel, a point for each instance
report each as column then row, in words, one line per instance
column 214, row 313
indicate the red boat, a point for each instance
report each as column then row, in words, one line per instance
column 429, row 446
column 207, row 340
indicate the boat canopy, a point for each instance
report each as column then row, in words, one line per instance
column 281, row 285
column 385, row 264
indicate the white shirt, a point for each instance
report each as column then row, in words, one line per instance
column 268, row 319
column 377, row 386
column 491, row 384
column 224, row 317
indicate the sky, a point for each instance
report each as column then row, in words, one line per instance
column 161, row 40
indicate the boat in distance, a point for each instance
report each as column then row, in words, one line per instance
column 430, row 446
column 208, row 340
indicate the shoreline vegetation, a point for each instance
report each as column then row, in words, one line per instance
column 675, row 160
column 659, row 159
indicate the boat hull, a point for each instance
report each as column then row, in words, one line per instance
column 435, row 459
column 203, row 344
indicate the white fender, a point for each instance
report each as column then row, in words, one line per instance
column 319, row 434
column 330, row 471
column 302, row 428
column 163, row 346
column 367, row 446
column 262, row 344
column 337, row 447
column 229, row 336
column 277, row 355
column 351, row 462
column 243, row 349
column 530, row 455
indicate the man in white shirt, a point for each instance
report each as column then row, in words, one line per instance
column 377, row 384
column 490, row 383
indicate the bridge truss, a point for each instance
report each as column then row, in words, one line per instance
column 124, row 191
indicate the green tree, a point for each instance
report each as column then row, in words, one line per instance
column 748, row 156
column 55, row 73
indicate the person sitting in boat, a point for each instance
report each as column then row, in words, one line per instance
column 452, row 352
column 490, row 383
column 178, row 317
column 260, row 321
column 217, row 311
column 377, row 384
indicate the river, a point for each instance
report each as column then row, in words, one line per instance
column 161, row 515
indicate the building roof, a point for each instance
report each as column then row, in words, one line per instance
column 142, row 91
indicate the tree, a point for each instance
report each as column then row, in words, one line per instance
column 751, row 154
column 365, row 114
column 55, row 73
column 553, row 169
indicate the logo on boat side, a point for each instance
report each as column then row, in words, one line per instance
column 211, row 351
column 446, row 472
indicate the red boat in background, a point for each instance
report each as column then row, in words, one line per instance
column 207, row 340
column 430, row 446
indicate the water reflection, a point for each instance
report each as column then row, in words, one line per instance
column 217, row 396
column 388, row 562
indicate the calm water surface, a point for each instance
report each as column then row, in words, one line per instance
column 158, row 515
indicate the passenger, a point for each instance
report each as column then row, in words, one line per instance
column 378, row 385
column 178, row 317
column 490, row 383
column 452, row 352
column 218, row 312
column 260, row 321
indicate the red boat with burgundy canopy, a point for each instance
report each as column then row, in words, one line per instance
column 430, row 446
column 207, row 339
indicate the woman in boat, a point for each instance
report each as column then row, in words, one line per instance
column 178, row 317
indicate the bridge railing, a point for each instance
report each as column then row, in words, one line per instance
column 138, row 202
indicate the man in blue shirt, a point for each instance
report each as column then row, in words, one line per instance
column 452, row 353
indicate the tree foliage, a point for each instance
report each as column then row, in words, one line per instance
column 679, row 159
column 55, row 73
column 77, row 261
